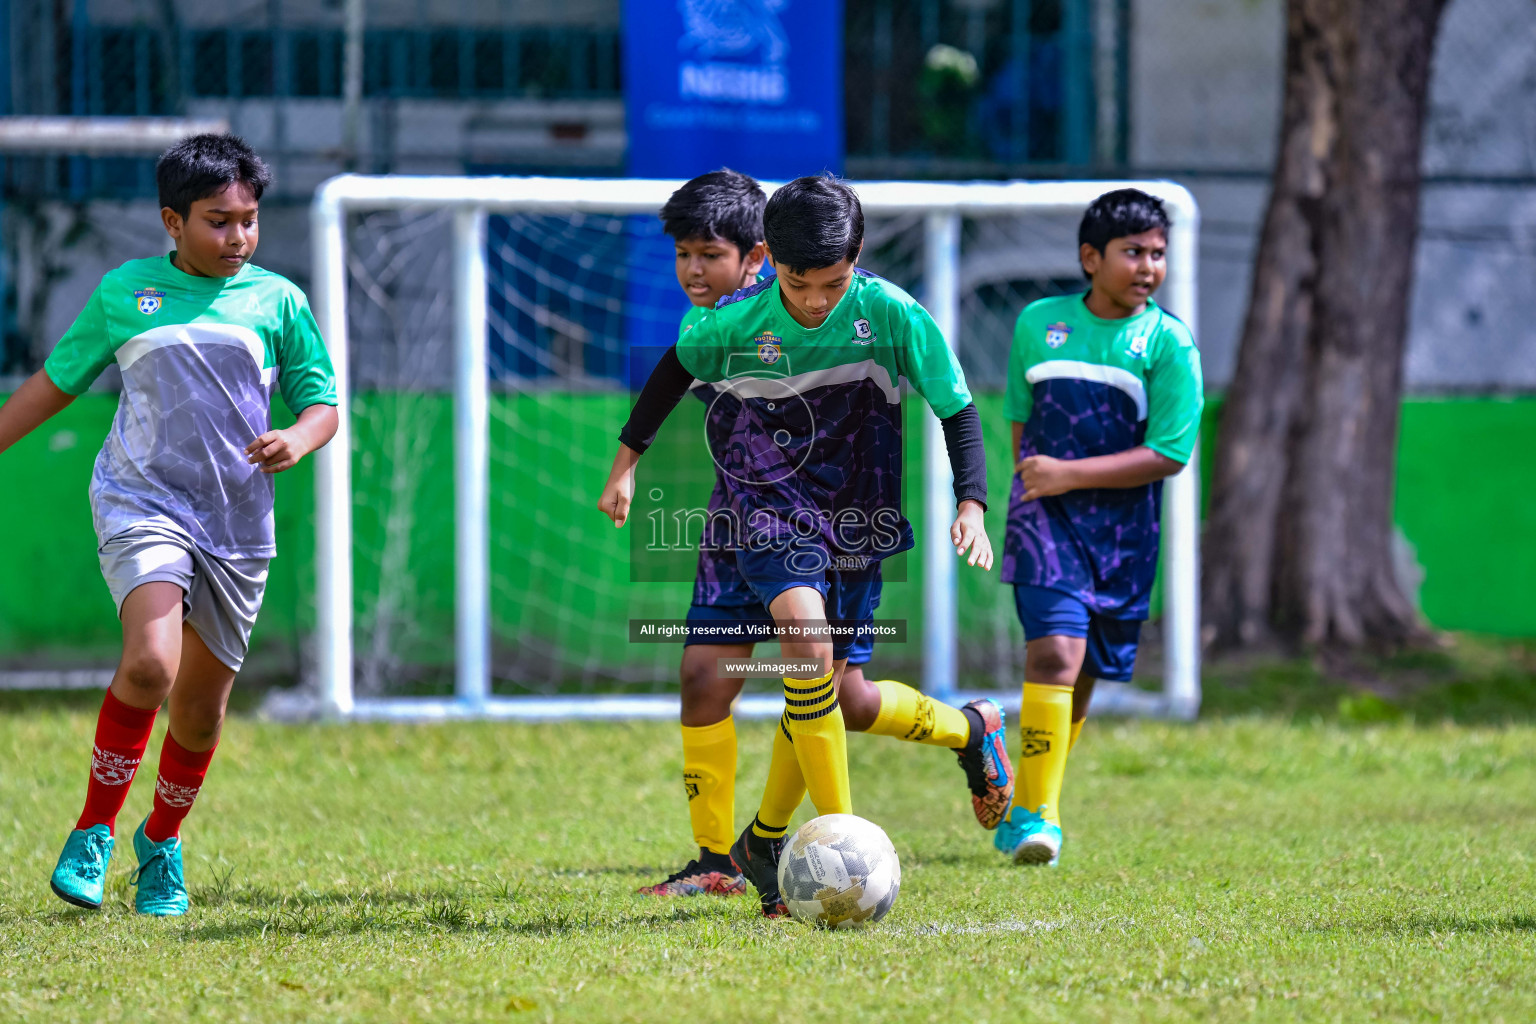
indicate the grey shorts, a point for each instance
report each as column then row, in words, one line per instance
column 220, row 596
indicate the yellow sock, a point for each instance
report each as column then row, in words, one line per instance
column 908, row 715
column 820, row 741
column 784, row 790
column 1077, row 727
column 1045, row 723
column 709, row 776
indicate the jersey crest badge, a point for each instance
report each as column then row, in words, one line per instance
column 863, row 334
column 149, row 300
column 769, row 347
column 1056, row 334
column 1138, row 346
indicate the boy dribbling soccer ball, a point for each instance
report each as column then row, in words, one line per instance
column 805, row 428
column 1104, row 392
column 182, row 491
column 716, row 223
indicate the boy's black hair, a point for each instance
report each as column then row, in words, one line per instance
column 203, row 165
column 814, row 222
column 723, row 204
column 1125, row 211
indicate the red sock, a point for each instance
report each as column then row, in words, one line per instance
column 181, row 776
column 122, row 733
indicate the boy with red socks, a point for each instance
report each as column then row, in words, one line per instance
column 182, row 491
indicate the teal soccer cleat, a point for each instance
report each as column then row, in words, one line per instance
column 81, row 876
column 162, row 885
column 1028, row 838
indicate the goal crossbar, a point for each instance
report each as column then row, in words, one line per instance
column 471, row 199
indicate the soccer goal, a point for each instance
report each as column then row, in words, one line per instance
column 486, row 334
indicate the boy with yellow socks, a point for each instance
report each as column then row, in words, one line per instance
column 716, row 224
column 801, row 373
column 1105, row 393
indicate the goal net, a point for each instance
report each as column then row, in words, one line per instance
column 488, row 333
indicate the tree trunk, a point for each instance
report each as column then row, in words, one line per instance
column 1299, row 542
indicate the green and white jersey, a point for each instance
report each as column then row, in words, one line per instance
column 1084, row 386
column 200, row 357
column 804, row 424
column 876, row 333
column 1150, row 358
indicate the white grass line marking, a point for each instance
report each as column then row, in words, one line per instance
column 994, row 927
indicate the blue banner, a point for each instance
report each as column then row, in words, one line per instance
column 754, row 85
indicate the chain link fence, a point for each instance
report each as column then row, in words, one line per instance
column 934, row 88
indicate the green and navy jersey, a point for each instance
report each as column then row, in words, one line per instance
column 1085, row 386
column 200, row 357
column 804, row 423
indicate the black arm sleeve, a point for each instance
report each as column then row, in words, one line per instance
column 665, row 387
column 962, row 440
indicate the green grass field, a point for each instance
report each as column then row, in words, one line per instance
column 1295, row 865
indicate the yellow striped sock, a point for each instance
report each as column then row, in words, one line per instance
column 1045, row 727
column 909, row 715
column 1077, row 727
column 709, row 776
column 784, row 790
column 820, row 741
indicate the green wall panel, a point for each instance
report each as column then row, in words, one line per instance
column 1466, row 477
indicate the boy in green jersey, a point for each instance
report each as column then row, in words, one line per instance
column 1105, row 394
column 801, row 374
column 181, row 494
column 716, row 223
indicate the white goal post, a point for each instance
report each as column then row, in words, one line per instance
column 471, row 199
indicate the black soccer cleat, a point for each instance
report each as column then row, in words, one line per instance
column 758, row 859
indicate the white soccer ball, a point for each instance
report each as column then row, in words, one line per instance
column 839, row 871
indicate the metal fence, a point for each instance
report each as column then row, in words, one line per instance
column 973, row 86
column 933, row 89
column 933, row 86
column 128, row 67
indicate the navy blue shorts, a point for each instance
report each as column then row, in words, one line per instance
column 719, row 620
column 851, row 601
column 1111, row 653
column 728, row 624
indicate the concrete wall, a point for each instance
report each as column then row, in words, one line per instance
column 1205, row 83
